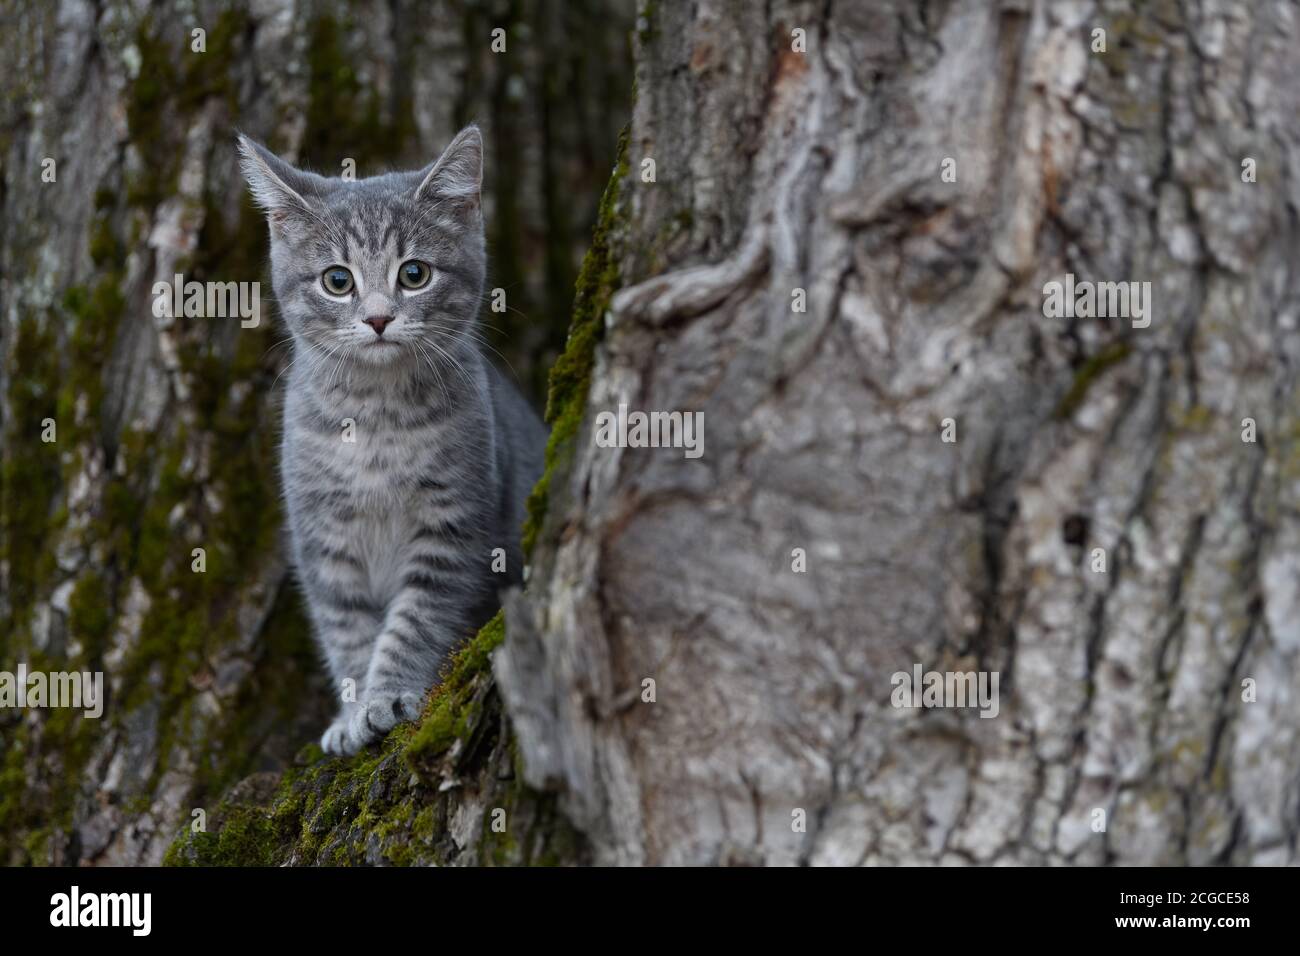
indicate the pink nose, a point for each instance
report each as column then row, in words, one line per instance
column 379, row 323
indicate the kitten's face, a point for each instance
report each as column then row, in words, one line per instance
column 381, row 272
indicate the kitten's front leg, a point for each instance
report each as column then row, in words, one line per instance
column 348, row 623
column 348, row 640
column 427, row 618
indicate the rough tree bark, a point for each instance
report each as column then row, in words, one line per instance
column 779, row 170
column 1121, row 690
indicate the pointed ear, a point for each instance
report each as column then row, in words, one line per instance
column 457, row 176
column 282, row 192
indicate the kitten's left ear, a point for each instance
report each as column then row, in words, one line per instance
column 457, row 176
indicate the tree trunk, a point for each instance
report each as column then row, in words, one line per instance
column 1099, row 534
column 1121, row 690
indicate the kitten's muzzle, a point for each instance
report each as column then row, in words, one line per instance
column 379, row 323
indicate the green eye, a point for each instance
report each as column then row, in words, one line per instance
column 336, row 280
column 414, row 274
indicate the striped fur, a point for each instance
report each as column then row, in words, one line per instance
column 407, row 456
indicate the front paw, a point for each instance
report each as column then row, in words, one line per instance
column 379, row 714
column 335, row 739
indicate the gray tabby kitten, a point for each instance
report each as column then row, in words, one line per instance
column 407, row 456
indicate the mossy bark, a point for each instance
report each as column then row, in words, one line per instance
column 166, row 429
column 444, row 791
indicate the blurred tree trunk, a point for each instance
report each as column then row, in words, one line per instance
column 1121, row 691
column 166, row 430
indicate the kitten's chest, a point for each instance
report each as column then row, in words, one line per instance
column 356, row 473
column 363, row 450
column 379, row 468
column 381, row 541
column 354, row 495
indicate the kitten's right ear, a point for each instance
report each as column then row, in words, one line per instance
column 457, row 176
column 281, row 191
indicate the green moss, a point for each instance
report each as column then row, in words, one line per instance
column 207, row 75
column 148, row 109
column 1088, row 373
column 570, row 376
column 174, row 83
column 344, row 118
column 451, row 712
column 104, row 247
column 15, row 810
column 30, row 477
column 93, row 316
column 246, row 837
column 90, row 614
column 50, row 379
